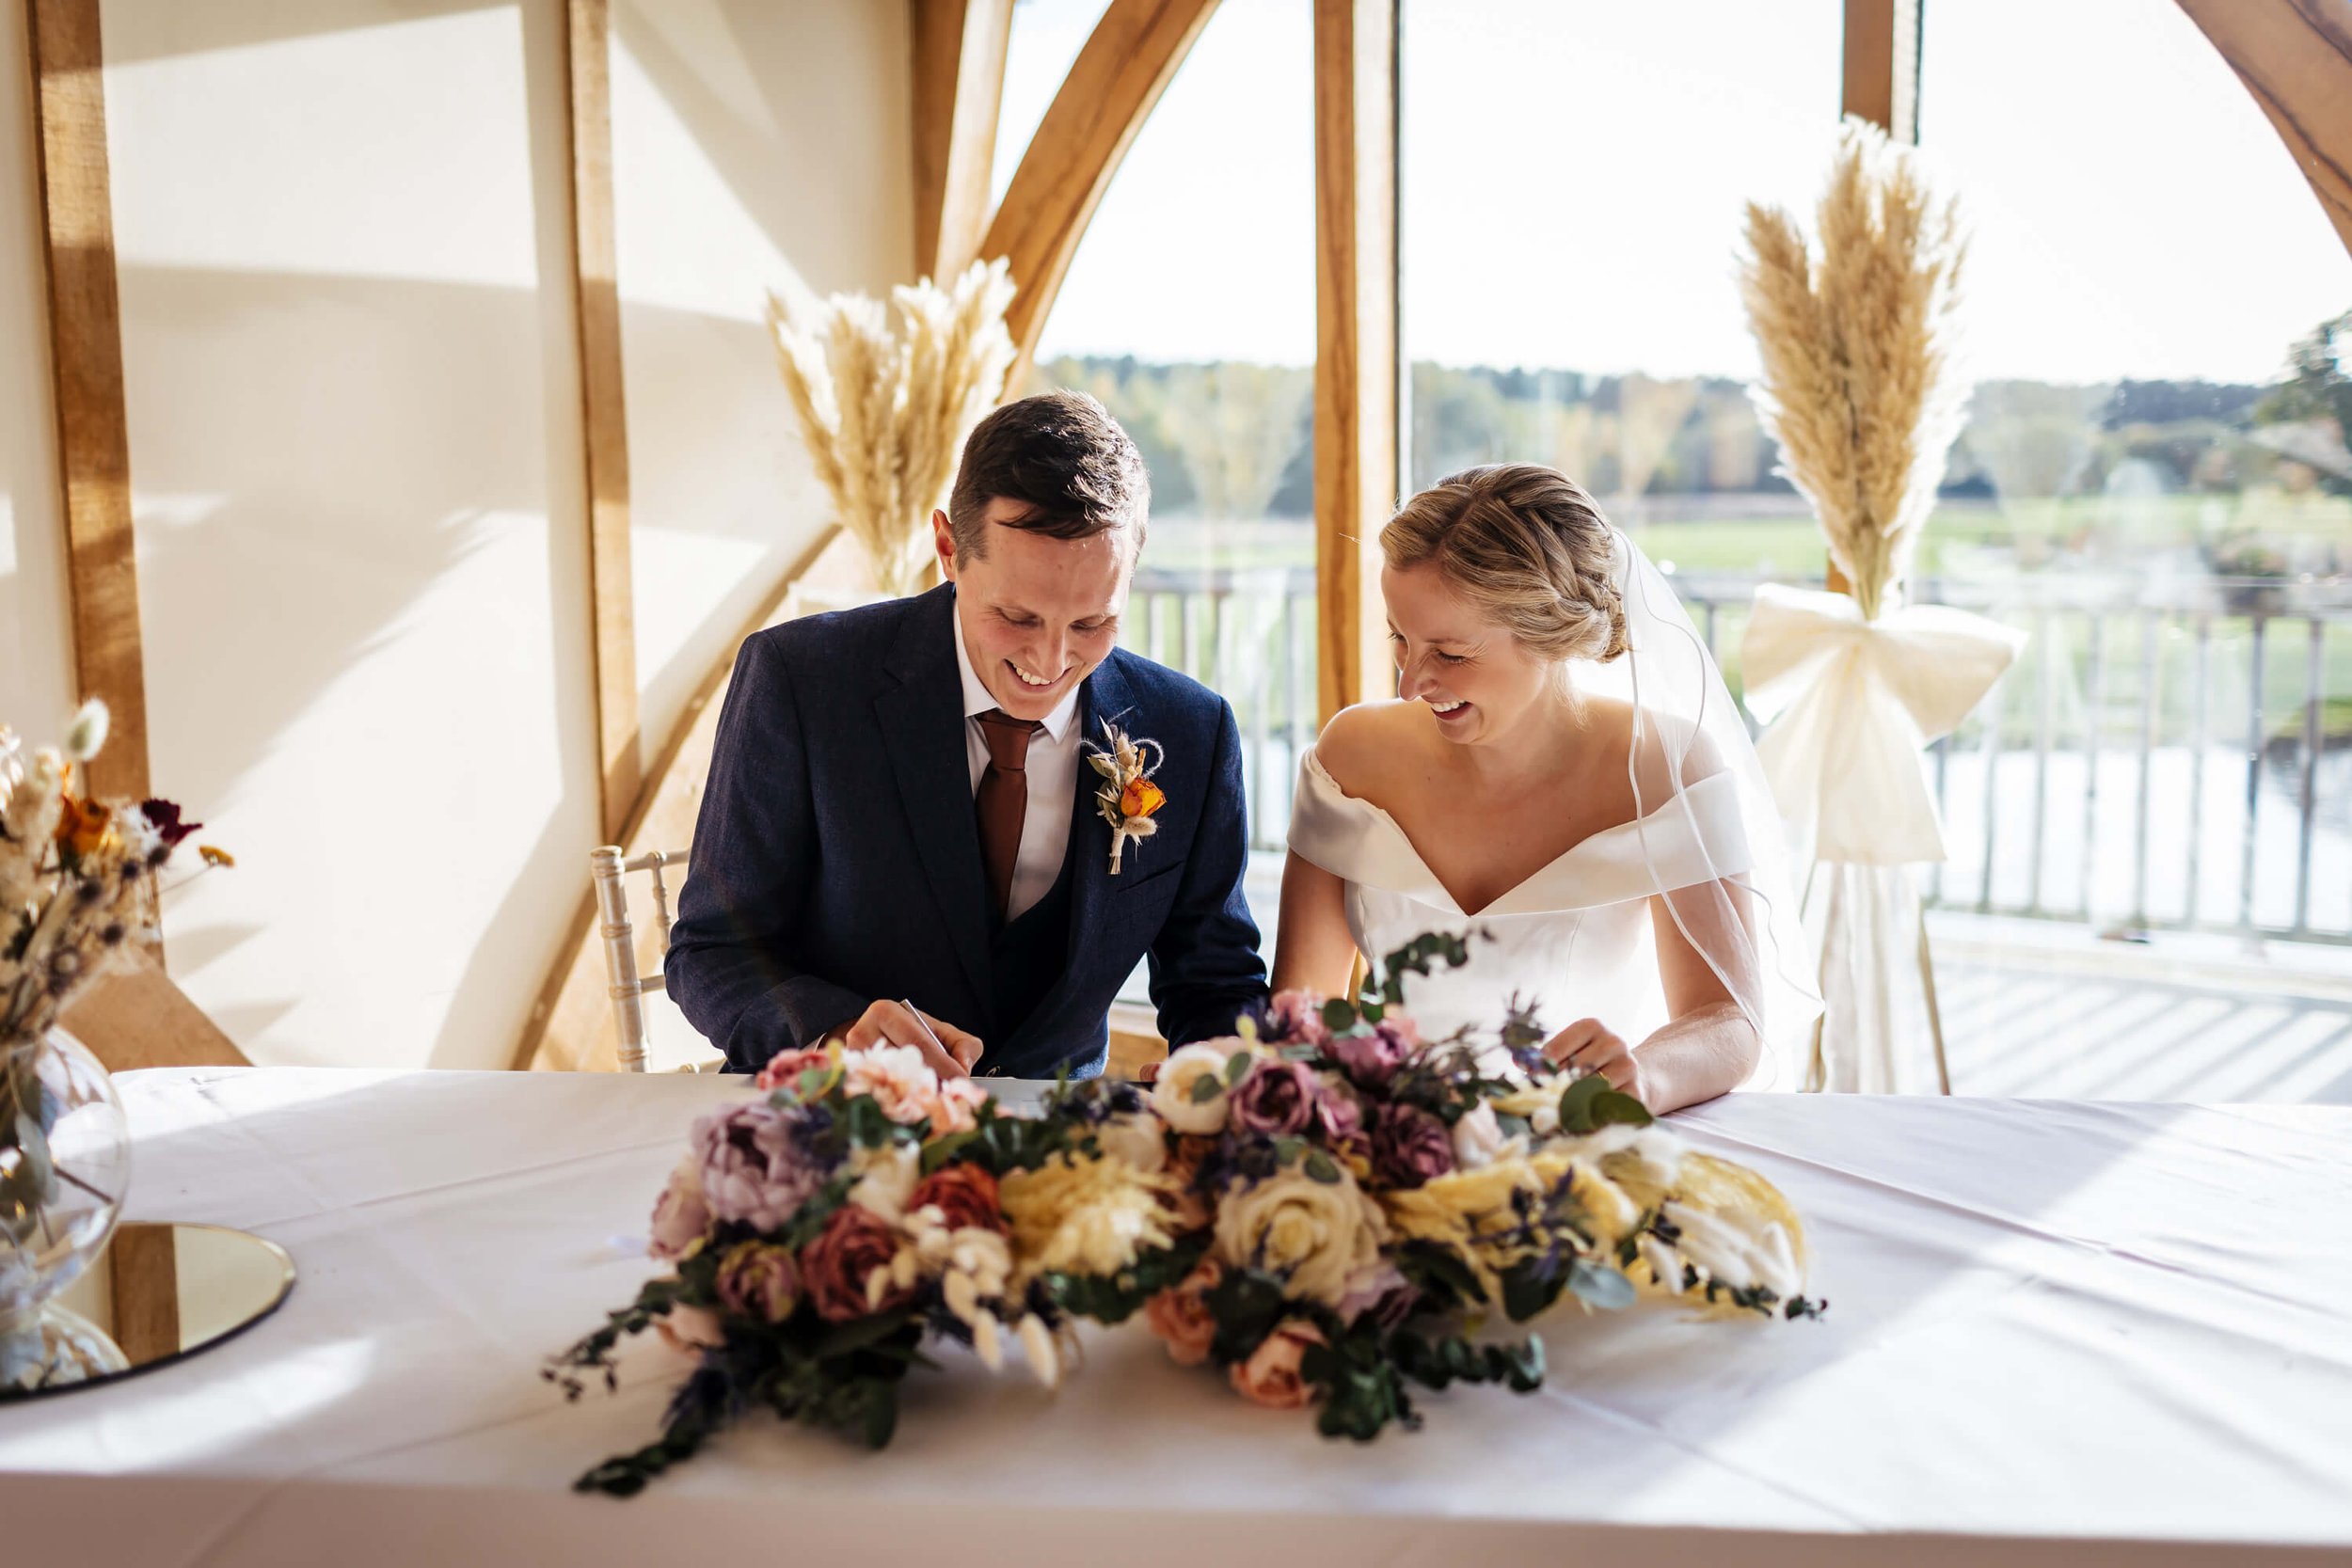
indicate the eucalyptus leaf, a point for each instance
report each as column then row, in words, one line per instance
column 1597, row 1287
column 1205, row 1089
column 1320, row 1168
column 1576, row 1102
column 1237, row 1068
column 1338, row 1016
column 1617, row 1106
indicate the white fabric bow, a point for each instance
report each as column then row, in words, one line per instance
column 1850, row 703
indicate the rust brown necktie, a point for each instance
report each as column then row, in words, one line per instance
column 1002, row 801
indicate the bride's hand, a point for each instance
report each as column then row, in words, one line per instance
column 1588, row 1045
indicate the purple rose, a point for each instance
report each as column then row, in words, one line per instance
column 752, row 1167
column 1339, row 1114
column 1370, row 1057
column 1276, row 1098
column 1295, row 1017
column 1409, row 1146
column 758, row 1281
column 680, row 1217
column 1381, row 1293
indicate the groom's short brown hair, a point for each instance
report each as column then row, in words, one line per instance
column 1061, row 455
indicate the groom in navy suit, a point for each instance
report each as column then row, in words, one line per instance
column 900, row 812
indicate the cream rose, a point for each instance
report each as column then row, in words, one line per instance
column 1140, row 1141
column 1172, row 1092
column 1478, row 1140
column 886, row 1178
column 1317, row 1235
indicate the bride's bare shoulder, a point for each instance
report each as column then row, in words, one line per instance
column 1362, row 745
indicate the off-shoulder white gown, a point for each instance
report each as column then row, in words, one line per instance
column 1575, row 937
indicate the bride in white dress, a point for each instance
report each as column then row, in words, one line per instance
column 1564, row 777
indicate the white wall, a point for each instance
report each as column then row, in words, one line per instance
column 354, row 450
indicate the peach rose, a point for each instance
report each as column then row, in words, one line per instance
column 1180, row 1315
column 907, row 1091
column 691, row 1328
column 1271, row 1376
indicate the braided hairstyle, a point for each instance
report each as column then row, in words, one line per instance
column 1527, row 547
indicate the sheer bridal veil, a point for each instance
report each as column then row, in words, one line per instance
column 1710, row 835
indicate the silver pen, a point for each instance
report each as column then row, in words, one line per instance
column 928, row 1033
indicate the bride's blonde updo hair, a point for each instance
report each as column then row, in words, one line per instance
column 1527, row 546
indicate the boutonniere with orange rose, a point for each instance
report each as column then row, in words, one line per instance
column 1128, row 796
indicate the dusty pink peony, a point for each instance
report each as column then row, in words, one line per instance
column 680, row 1217
column 753, row 1169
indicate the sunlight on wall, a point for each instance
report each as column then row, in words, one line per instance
column 352, row 415
column 754, row 148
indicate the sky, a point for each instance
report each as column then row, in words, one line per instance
column 1575, row 170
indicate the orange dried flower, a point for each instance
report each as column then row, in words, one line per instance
column 83, row 825
column 1141, row 798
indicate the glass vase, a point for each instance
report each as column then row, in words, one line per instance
column 65, row 1164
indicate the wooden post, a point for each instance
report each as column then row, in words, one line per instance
column 604, row 421
column 86, row 359
column 1358, row 446
column 959, row 49
column 1881, row 75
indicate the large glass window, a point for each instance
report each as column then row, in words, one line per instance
column 2140, row 482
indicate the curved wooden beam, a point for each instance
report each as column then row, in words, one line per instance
column 571, row 1026
column 1112, row 86
column 603, row 416
column 2295, row 57
column 959, row 50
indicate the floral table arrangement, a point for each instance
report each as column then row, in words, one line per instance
column 1326, row 1207
column 77, row 899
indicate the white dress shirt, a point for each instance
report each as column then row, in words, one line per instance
column 1052, row 770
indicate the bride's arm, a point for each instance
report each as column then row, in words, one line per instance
column 1312, row 950
column 1707, row 1047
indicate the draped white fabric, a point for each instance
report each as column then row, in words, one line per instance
column 1849, row 704
column 2058, row 1334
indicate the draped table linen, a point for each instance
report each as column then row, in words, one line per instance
column 2059, row 1333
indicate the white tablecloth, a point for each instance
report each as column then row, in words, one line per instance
column 2058, row 1334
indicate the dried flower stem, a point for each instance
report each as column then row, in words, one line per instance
column 1859, row 387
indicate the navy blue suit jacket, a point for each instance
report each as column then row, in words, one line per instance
column 838, row 858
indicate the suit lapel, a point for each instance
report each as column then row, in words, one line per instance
column 1107, row 696
column 922, row 724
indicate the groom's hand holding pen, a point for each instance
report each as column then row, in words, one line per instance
column 951, row 1052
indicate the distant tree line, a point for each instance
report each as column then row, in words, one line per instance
column 1235, row 440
